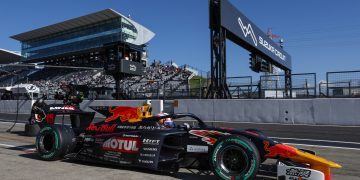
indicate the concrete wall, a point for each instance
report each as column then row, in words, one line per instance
column 294, row 111
column 9, row 106
column 285, row 111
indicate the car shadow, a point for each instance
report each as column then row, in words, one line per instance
column 19, row 133
column 186, row 174
column 183, row 174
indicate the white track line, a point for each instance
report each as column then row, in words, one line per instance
column 7, row 145
column 316, row 140
column 12, row 146
column 8, row 122
column 331, row 147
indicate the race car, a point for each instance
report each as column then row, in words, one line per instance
column 132, row 136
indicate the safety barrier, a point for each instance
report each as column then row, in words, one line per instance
column 322, row 111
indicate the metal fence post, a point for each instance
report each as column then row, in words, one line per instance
column 350, row 88
column 327, row 84
column 315, row 86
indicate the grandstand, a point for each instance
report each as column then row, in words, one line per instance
column 159, row 79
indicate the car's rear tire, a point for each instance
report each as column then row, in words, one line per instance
column 54, row 141
column 235, row 157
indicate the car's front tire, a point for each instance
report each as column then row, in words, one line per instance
column 235, row 157
column 54, row 141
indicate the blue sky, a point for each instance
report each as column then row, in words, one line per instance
column 320, row 35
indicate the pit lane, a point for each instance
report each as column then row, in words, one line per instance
column 19, row 161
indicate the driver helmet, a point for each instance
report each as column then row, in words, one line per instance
column 167, row 122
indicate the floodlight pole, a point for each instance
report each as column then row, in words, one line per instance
column 218, row 88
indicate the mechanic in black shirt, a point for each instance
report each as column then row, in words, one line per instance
column 72, row 97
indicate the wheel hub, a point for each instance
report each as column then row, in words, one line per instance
column 233, row 160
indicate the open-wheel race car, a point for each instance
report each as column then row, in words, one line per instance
column 133, row 137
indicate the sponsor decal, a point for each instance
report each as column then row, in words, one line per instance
column 132, row 67
column 31, row 88
column 126, row 127
column 208, row 136
column 298, row 172
column 130, row 135
column 151, row 141
column 279, row 150
column 125, row 113
column 99, row 140
column 148, row 127
column 112, row 154
column 146, row 161
column 106, row 128
column 63, row 108
column 141, row 127
column 271, row 48
column 195, row 148
column 150, row 149
column 89, row 139
column 147, row 155
column 121, row 144
column 248, row 31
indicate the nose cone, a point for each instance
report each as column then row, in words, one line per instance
column 315, row 160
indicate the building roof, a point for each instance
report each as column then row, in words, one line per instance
column 7, row 57
column 92, row 18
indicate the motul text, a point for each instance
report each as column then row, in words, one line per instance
column 120, row 144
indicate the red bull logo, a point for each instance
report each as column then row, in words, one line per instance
column 124, row 113
column 210, row 137
column 129, row 114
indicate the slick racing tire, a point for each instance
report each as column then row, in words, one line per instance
column 54, row 141
column 261, row 134
column 235, row 157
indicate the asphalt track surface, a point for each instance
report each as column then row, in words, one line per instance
column 19, row 161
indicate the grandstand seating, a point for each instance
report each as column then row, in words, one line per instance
column 157, row 79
